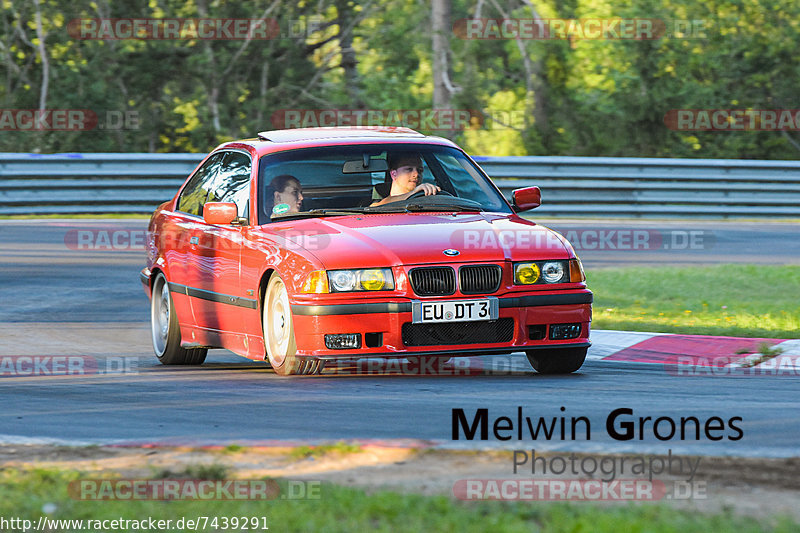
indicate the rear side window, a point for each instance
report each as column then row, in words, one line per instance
column 194, row 194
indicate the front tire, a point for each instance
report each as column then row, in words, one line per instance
column 166, row 331
column 279, row 338
column 557, row 361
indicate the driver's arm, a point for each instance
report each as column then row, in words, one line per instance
column 427, row 188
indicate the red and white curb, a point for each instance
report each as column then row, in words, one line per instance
column 694, row 350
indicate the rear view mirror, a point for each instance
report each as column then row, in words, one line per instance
column 527, row 198
column 358, row 166
column 220, row 213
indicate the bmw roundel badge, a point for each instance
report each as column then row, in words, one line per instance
column 451, row 252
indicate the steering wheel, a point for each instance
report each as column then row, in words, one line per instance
column 422, row 193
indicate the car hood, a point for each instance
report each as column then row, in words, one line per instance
column 376, row 240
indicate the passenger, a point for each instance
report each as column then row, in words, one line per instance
column 284, row 195
column 403, row 179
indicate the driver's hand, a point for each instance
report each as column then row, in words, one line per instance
column 427, row 188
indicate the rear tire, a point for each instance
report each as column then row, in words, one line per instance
column 166, row 331
column 557, row 361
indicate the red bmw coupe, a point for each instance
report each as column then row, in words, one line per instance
column 306, row 246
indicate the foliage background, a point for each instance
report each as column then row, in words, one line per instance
column 561, row 97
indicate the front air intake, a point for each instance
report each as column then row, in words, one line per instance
column 479, row 279
column 433, row 281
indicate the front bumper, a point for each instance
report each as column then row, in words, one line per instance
column 532, row 316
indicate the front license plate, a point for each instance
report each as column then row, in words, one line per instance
column 455, row 310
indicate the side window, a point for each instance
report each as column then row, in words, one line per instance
column 194, row 194
column 232, row 182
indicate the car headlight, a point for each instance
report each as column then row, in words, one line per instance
column 542, row 272
column 553, row 271
column 370, row 279
column 343, row 280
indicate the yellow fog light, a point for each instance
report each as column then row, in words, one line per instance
column 374, row 280
column 526, row 273
column 316, row 283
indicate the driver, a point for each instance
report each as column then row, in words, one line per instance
column 405, row 173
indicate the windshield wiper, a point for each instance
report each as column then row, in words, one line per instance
column 394, row 207
column 320, row 213
column 400, row 207
column 443, row 207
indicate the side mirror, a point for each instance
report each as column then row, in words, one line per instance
column 220, row 213
column 527, row 198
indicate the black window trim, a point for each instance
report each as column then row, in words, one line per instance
column 224, row 151
column 250, row 181
column 263, row 160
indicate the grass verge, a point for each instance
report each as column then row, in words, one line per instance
column 731, row 300
column 338, row 448
column 29, row 494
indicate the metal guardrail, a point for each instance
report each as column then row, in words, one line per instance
column 637, row 187
column 571, row 186
column 90, row 183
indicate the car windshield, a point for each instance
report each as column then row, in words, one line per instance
column 338, row 180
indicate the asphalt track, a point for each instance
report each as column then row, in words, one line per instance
column 87, row 304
